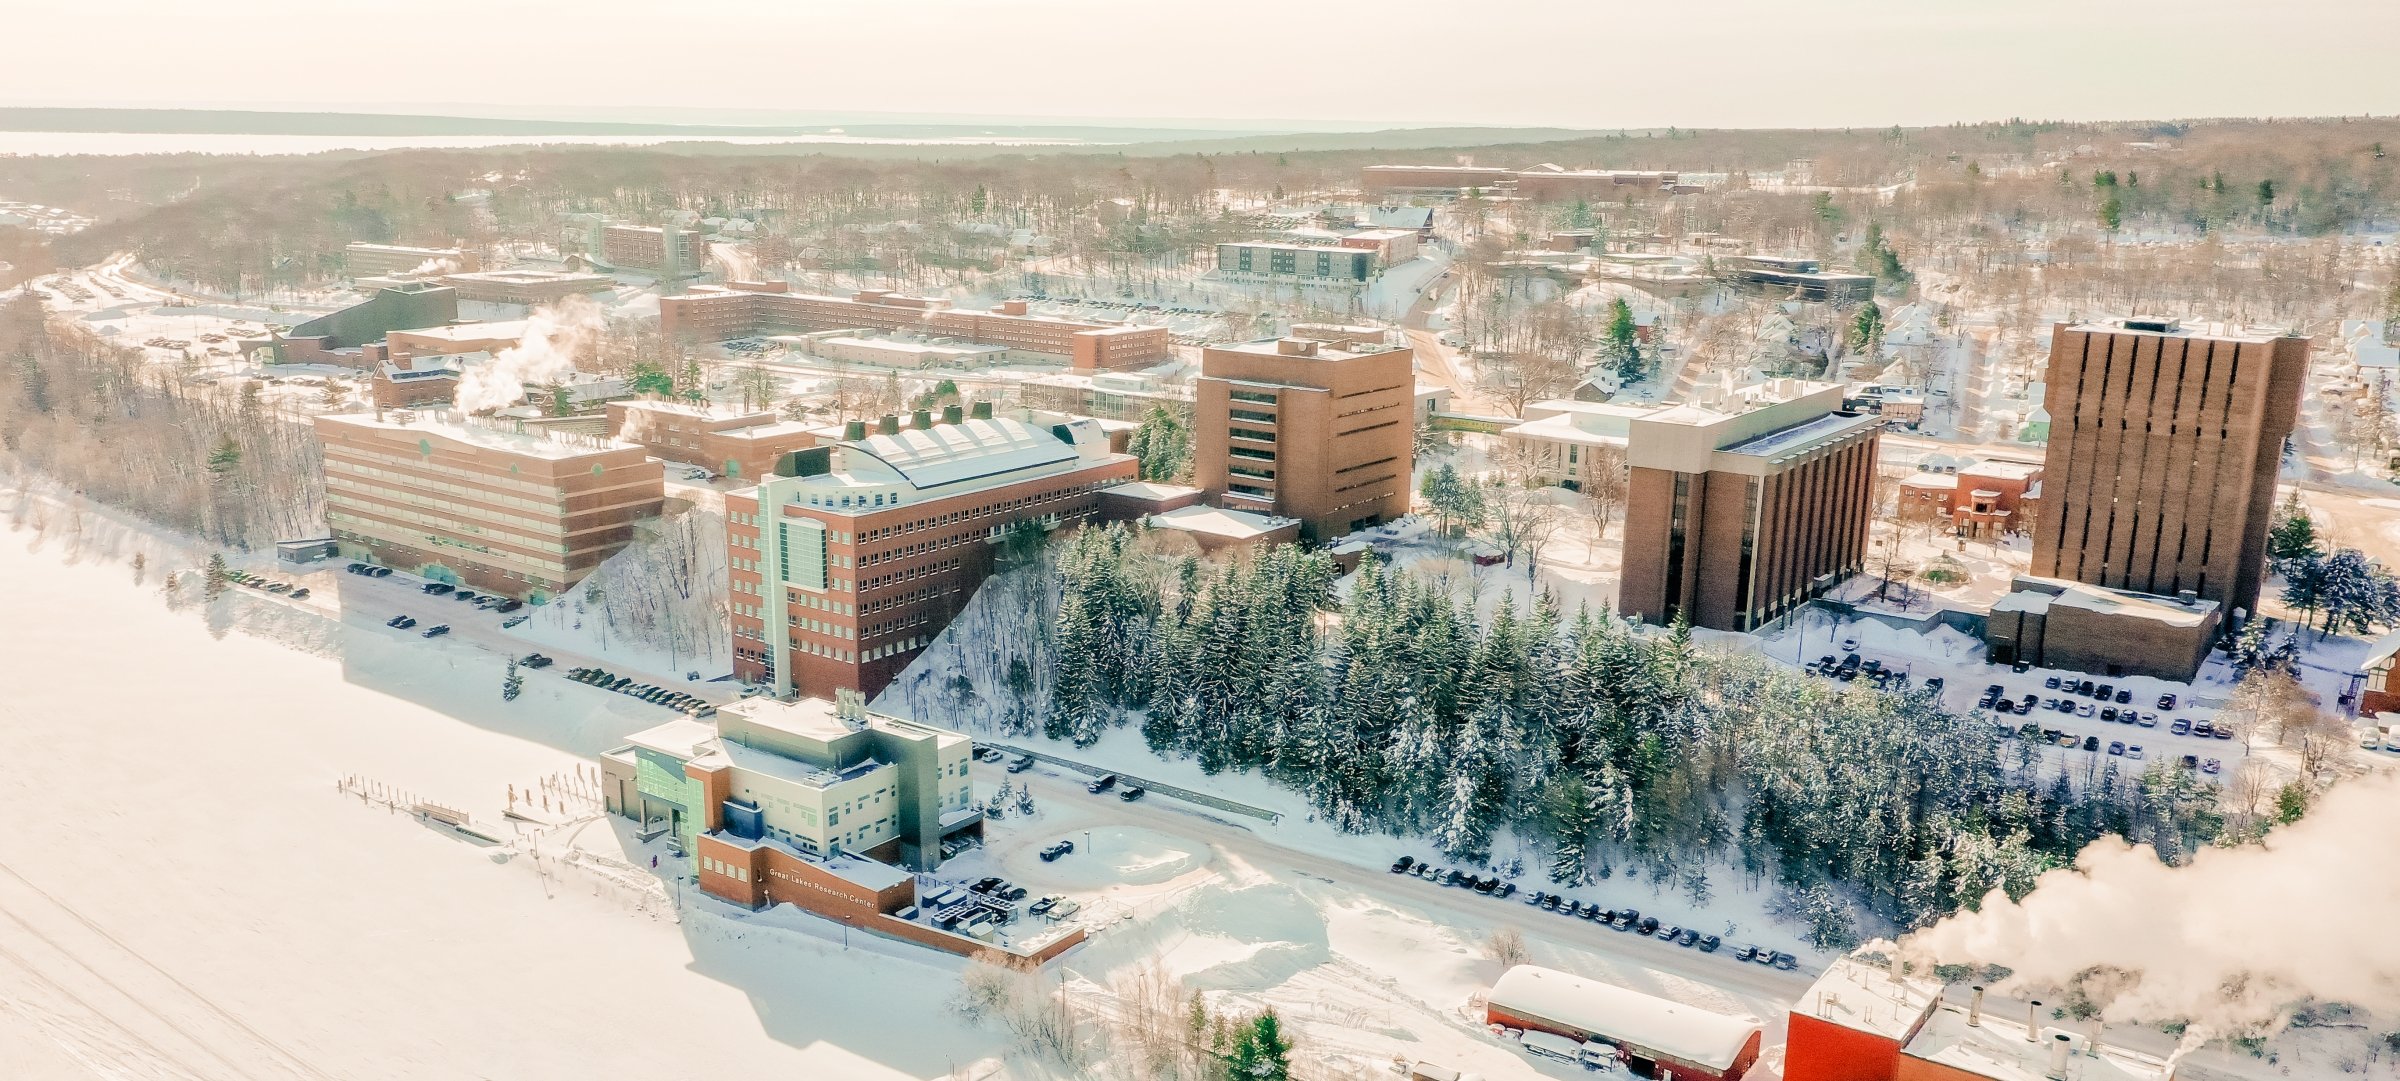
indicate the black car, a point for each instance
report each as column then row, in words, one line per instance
column 1648, row 925
column 2020, row 667
column 510, row 604
column 1553, row 902
column 1401, row 865
column 1594, row 913
column 464, row 595
column 1106, row 782
column 1454, row 877
column 2050, row 684
column 1688, row 938
column 536, row 660
column 437, row 630
column 1132, row 792
column 1784, row 961
column 2166, row 702
column 1488, row 885
column 1709, row 943
column 1053, row 852
column 1505, row 889
column 436, row 588
column 2124, row 697
column 2091, row 743
column 300, row 593
column 394, row 621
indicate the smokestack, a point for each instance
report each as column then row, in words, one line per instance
column 2061, row 1045
column 921, row 419
column 981, row 411
column 1895, row 965
column 854, row 430
column 2033, row 1021
column 2091, row 1045
column 952, row 414
column 1975, row 1007
column 889, row 425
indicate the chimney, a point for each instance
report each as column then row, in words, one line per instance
column 854, row 430
column 2033, row 1021
column 921, row 419
column 889, row 425
column 2187, row 598
column 981, row 411
column 1975, row 1007
column 2091, row 1044
column 952, row 414
column 1895, row 966
column 2061, row 1045
column 1296, row 347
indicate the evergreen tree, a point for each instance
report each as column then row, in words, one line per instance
column 1161, row 446
column 1261, row 1052
column 226, row 457
column 2112, row 213
column 1866, row 329
column 512, row 685
column 2294, row 534
column 1621, row 342
column 213, row 580
column 649, row 378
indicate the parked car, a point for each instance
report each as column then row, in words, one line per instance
column 2204, row 729
column 1103, row 784
column 1648, row 925
column 2124, row 696
column 1786, row 961
column 2021, row 667
column 2166, row 702
column 2224, row 731
column 437, row 630
column 2189, row 762
column 2109, row 714
column 463, row 595
column 1849, row 645
column 1687, row 937
column 1044, row 905
column 2181, row 727
column 403, row 622
column 2084, row 710
column 437, row 588
column 2147, row 720
column 2050, row 684
column 2134, row 752
column 1052, row 853
column 1021, row 763
column 1709, row 943
column 2091, row 743
column 508, row 604
column 2115, row 748
column 2211, row 766
column 300, row 594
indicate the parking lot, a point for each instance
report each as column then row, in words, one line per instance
column 2138, row 720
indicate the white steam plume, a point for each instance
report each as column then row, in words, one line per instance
column 2231, row 942
column 437, row 265
column 546, row 353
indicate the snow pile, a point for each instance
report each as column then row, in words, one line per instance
column 1248, row 938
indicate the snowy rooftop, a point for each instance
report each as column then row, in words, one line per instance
column 488, row 434
column 813, row 718
column 1800, row 437
column 853, row 869
column 2004, row 470
column 1685, row 1032
column 1233, row 524
column 682, row 738
column 1938, row 481
column 1149, row 489
column 2381, row 653
column 1998, row 1048
column 2169, row 328
column 970, row 450
column 2035, row 595
column 473, row 332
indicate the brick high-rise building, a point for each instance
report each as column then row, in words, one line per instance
column 849, row 560
column 2164, row 447
column 1296, row 428
column 1745, row 502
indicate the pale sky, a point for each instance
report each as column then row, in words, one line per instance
column 1571, row 63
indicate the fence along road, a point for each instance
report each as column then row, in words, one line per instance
column 1185, row 794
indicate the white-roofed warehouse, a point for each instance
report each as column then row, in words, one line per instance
column 1657, row 1036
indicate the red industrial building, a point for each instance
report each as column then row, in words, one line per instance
column 1650, row 1036
column 1863, row 1022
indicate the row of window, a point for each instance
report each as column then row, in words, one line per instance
column 819, row 626
column 490, row 490
column 733, row 871
column 371, row 527
column 908, row 574
column 903, row 646
column 419, row 467
column 365, row 494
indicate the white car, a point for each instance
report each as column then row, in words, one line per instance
column 2134, row 752
column 1849, row 645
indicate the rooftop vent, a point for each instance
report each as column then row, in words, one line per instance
column 889, row 425
column 2160, row 326
column 981, row 410
column 854, row 430
column 1296, row 347
column 921, row 419
column 952, row 414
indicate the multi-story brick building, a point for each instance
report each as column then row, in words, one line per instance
column 753, row 309
column 1541, row 183
column 2164, row 448
column 646, row 247
column 849, row 559
column 1571, row 443
column 481, row 502
column 1292, row 428
column 1982, row 501
column 401, row 345
column 741, row 444
column 1744, row 503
